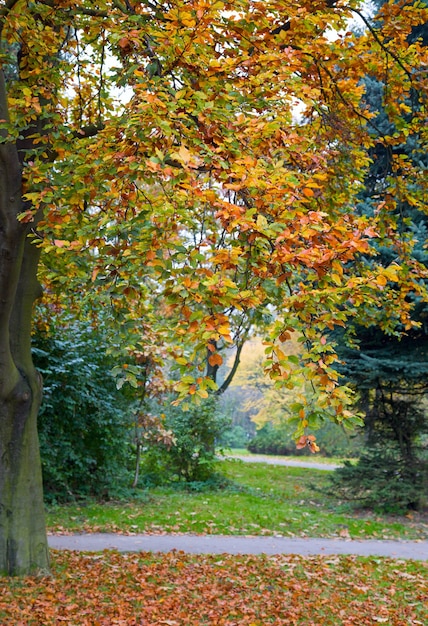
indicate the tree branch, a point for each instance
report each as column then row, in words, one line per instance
column 382, row 45
column 232, row 372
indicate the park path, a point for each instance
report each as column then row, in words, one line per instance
column 221, row 544
column 271, row 460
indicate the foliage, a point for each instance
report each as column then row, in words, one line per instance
column 273, row 408
column 192, row 457
column 389, row 372
column 270, row 440
column 240, row 404
column 200, row 198
column 332, row 440
column 84, row 420
column 391, row 474
column 265, row 401
column 234, row 437
column 256, row 499
column 391, row 376
column 383, row 481
column 179, row 589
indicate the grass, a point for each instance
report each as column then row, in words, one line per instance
column 180, row 589
column 258, row 500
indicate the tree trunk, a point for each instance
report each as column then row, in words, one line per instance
column 23, row 542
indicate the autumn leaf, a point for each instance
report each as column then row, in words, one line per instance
column 178, row 588
column 215, row 359
column 307, row 441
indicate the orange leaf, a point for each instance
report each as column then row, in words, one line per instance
column 301, row 443
column 215, row 359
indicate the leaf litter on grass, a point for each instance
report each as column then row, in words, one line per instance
column 178, row 589
column 258, row 500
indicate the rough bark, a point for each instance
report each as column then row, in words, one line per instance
column 23, row 542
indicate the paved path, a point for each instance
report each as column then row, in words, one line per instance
column 220, row 544
column 270, row 460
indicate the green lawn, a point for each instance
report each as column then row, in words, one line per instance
column 259, row 500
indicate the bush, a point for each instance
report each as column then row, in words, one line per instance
column 234, row 437
column 270, row 440
column 383, row 481
column 192, row 458
column 331, row 438
column 83, row 424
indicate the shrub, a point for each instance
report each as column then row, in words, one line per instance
column 331, row 438
column 83, row 424
column 234, row 437
column 270, row 440
column 192, row 458
column 383, row 481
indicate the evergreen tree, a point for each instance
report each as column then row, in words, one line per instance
column 390, row 372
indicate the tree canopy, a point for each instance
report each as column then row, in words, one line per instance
column 201, row 185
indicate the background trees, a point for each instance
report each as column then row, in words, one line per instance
column 257, row 402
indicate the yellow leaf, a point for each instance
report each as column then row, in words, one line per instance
column 280, row 354
column 261, row 222
column 337, row 267
column 391, row 273
column 184, row 154
column 224, row 329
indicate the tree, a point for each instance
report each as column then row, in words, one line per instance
column 205, row 133
column 390, row 372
